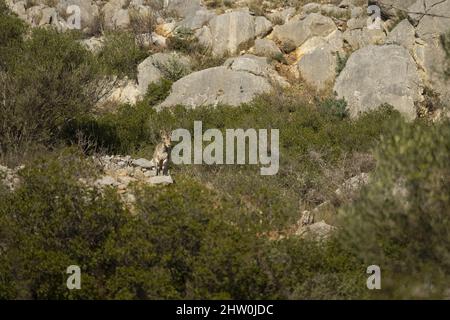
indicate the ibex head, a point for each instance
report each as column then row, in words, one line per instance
column 166, row 138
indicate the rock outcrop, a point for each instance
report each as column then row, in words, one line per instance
column 231, row 32
column 392, row 63
column 404, row 35
column 266, row 48
column 214, row 86
column 318, row 58
column 394, row 8
column 124, row 172
column 430, row 53
column 295, row 32
column 184, row 8
column 377, row 75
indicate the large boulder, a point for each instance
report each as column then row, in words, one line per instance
column 93, row 44
column 160, row 180
column 377, row 75
column 123, row 91
column 114, row 16
column 430, row 53
column 204, row 37
column 332, row 10
column 316, row 231
column 196, row 20
column 403, row 34
column 218, row 85
column 36, row 16
column 18, row 8
column 282, row 16
column 317, row 59
column 262, row 26
column 121, row 19
column 88, row 9
column 183, row 8
column 266, row 48
column 257, row 66
column 318, row 68
column 231, row 32
column 430, row 17
column 359, row 38
column 294, row 33
column 394, row 8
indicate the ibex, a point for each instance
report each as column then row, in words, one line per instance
column 161, row 156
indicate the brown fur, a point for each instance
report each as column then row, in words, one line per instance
column 161, row 155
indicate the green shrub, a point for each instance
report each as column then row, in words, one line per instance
column 182, row 225
column 12, row 30
column 51, row 80
column 185, row 241
column 121, row 55
column 122, row 132
column 279, row 57
column 143, row 23
column 183, row 41
column 402, row 218
column 173, row 69
column 52, row 222
column 125, row 131
column 337, row 108
column 341, row 62
column 157, row 92
column 315, row 142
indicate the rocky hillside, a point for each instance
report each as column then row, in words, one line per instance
column 334, row 47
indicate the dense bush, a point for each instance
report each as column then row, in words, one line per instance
column 11, row 32
column 185, row 241
column 402, row 219
column 121, row 55
column 52, row 221
column 124, row 131
column 320, row 148
column 50, row 80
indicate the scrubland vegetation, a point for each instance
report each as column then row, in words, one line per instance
column 204, row 237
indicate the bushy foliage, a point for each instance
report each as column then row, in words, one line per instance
column 52, row 221
column 121, row 55
column 186, row 241
column 11, row 35
column 401, row 220
column 319, row 149
column 341, row 62
column 157, row 92
column 183, row 41
column 50, row 79
column 124, row 131
column 173, row 69
column 335, row 107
